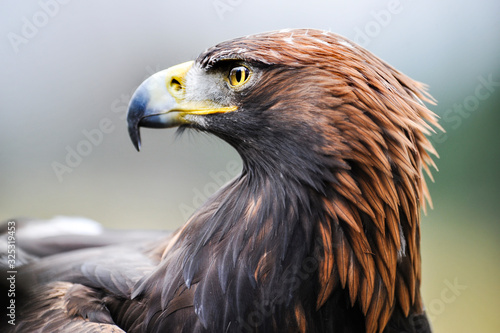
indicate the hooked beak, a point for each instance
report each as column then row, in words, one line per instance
column 160, row 102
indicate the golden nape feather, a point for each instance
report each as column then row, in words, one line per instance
column 319, row 232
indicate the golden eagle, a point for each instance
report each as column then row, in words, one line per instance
column 319, row 232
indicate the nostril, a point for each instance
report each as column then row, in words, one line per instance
column 175, row 85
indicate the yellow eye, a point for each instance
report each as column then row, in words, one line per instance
column 238, row 76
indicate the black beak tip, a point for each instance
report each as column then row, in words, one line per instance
column 135, row 136
column 136, row 112
column 133, row 131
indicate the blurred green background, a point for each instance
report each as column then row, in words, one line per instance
column 69, row 67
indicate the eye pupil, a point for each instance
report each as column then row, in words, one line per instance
column 238, row 76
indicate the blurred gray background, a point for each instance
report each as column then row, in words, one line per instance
column 69, row 67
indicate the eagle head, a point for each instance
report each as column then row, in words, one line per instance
column 290, row 100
